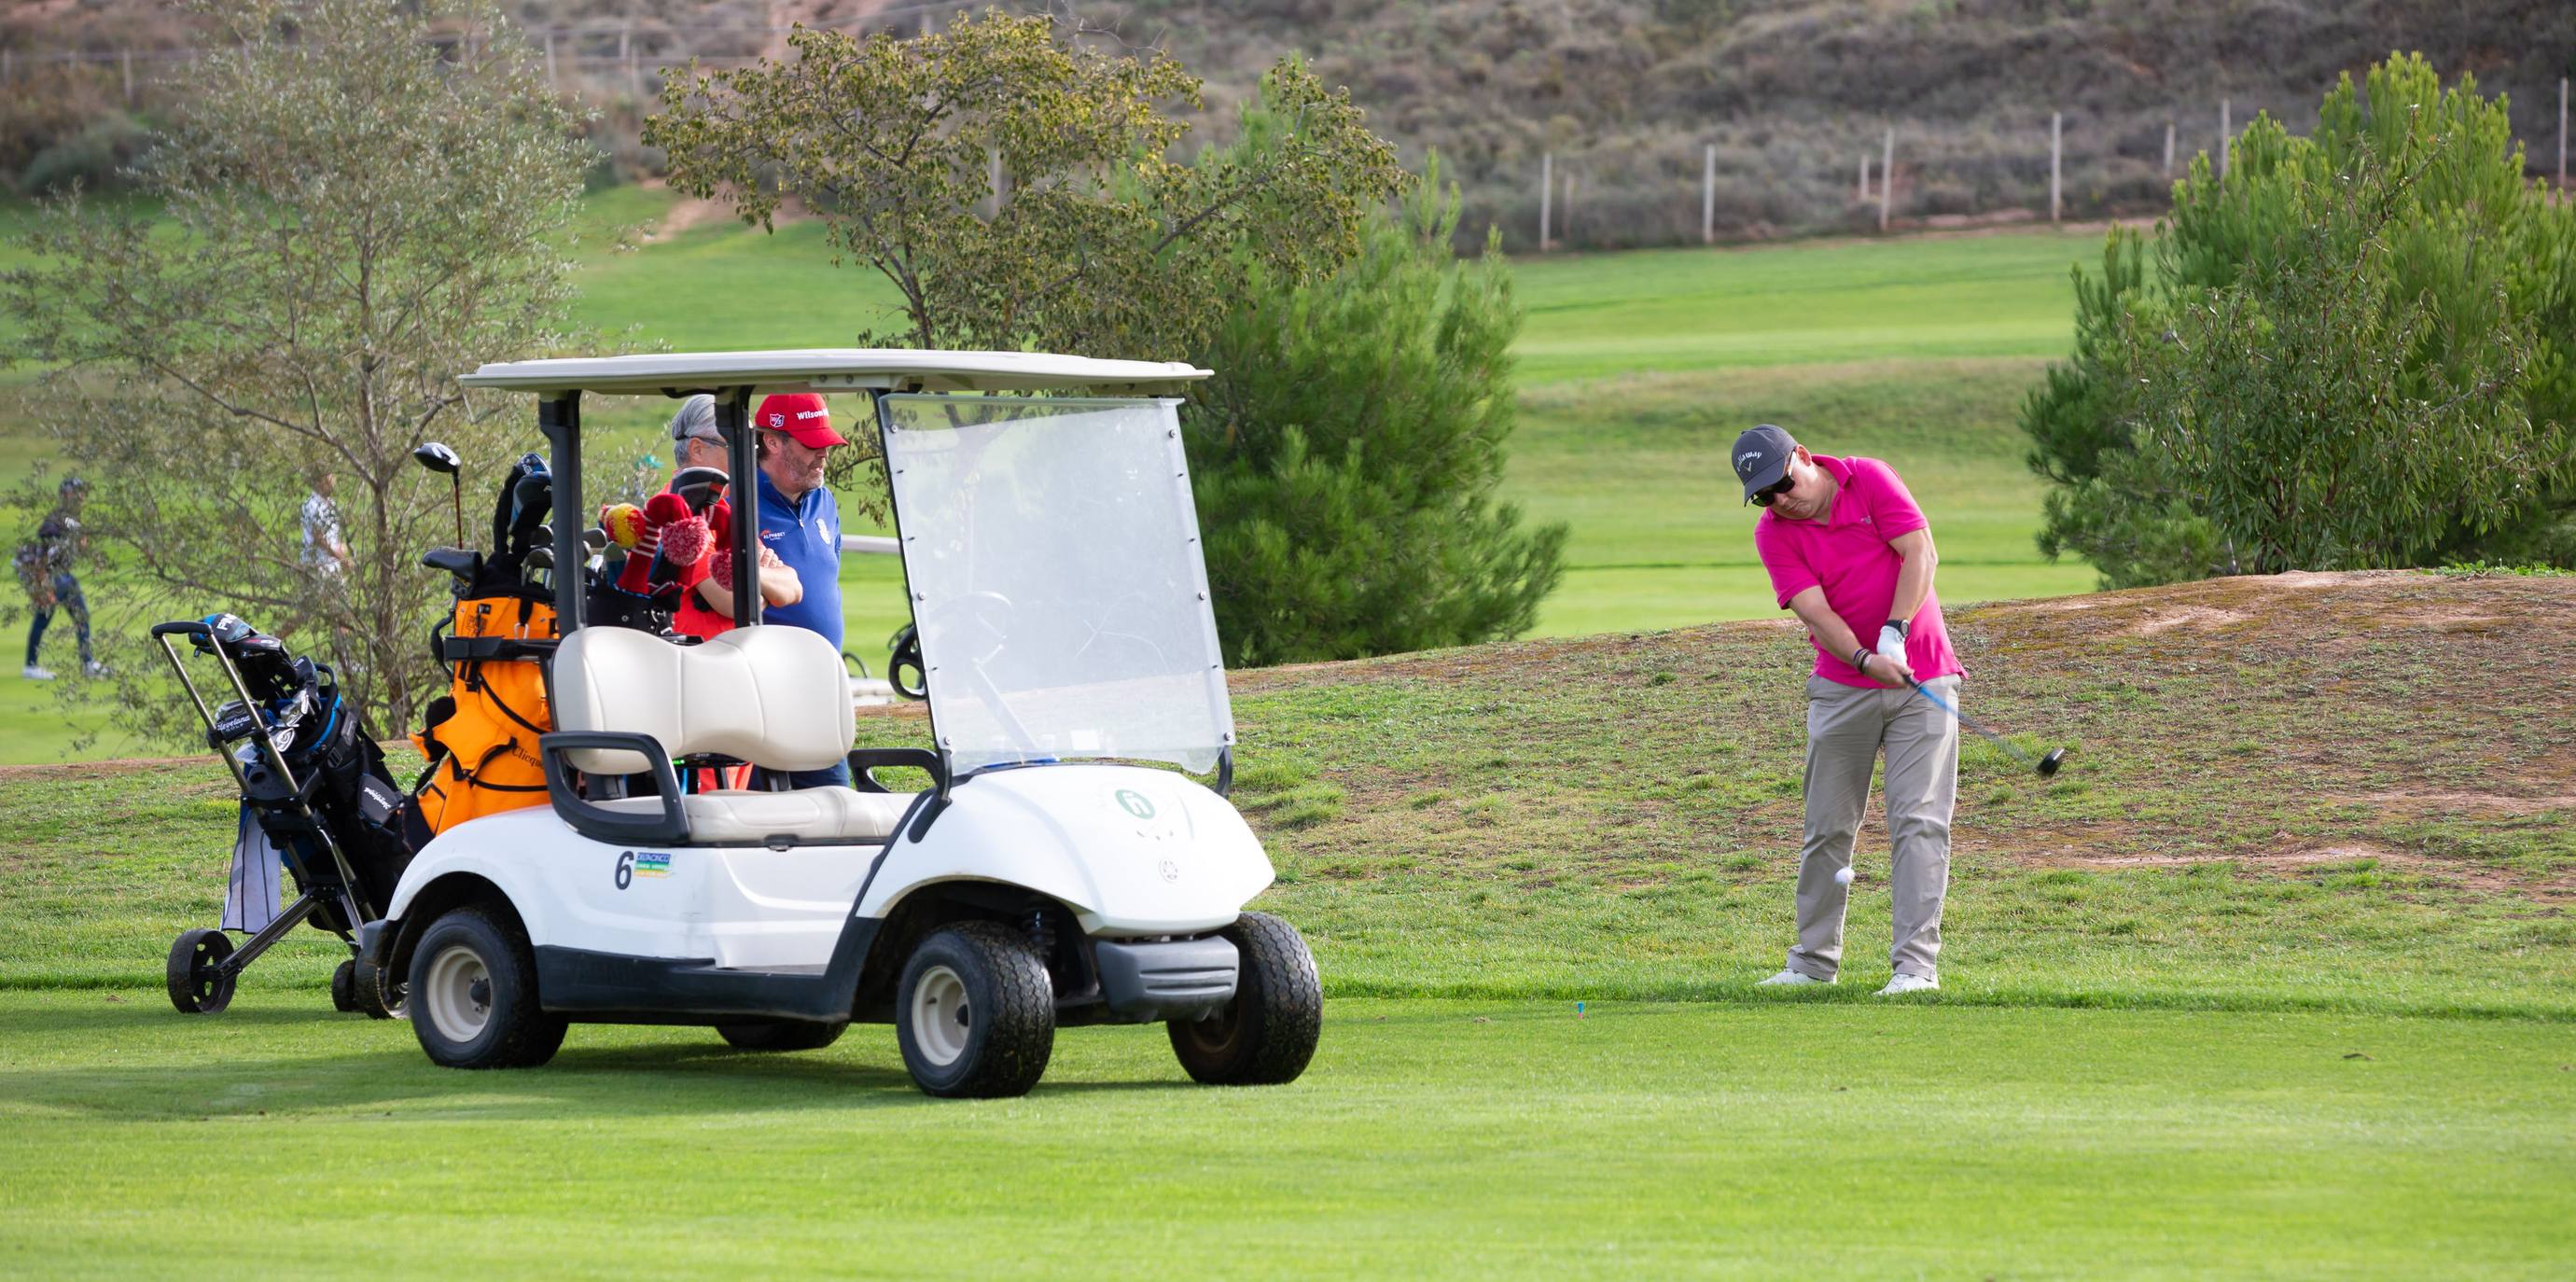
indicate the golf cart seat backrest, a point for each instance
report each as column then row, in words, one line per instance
column 774, row 696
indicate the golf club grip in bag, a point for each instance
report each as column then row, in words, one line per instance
column 481, row 737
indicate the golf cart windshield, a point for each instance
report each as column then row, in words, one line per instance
column 1052, row 553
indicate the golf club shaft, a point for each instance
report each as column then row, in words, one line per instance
column 1965, row 720
column 456, row 498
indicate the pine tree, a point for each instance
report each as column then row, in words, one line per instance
column 1347, row 454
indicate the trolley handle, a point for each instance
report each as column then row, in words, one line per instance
column 183, row 627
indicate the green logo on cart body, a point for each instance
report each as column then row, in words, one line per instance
column 1134, row 803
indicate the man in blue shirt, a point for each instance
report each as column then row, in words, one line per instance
column 801, row 522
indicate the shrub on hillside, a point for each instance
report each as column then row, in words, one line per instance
column 1347, row 454
column 2358, row 351
column 98, row 158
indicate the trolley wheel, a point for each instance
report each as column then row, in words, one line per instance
column 377, row 994
column 344, row 986
column 199, row 984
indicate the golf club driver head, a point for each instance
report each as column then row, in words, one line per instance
column 2048, row 765
column 435, row 456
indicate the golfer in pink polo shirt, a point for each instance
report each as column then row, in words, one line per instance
column 1852, row 557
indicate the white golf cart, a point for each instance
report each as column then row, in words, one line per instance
column 1051, row 560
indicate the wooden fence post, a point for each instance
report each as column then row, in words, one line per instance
column 1708, row 194
column 1864, row 178
column 2226, row 135
column 2169, row 141
column 1569, row 207
column 1546, row 194
column 552, row 82
column 993, row 179
column 125, row 57
column 2562, row 135
column 2056, row 156
column 1886, row 177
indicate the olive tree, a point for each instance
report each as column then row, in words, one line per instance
column 1097, row 240
column 352, row 213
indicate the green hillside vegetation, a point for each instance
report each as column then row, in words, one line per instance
column 1636, row 371
column 2273, row 980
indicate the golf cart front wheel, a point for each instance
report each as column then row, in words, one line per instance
column 473, row 995
column 975, row 1013
column 1266, row 1035
column 199, row 984
column 783, row 1035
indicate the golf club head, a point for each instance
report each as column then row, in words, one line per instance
column 700, row 486
column 2048, row 764
column 596, row 539
column 541, row 557
column 435, row 456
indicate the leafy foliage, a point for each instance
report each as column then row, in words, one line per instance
column 1347, row 454
column 2354, row 352
column 1102, row 244
column 348, row 218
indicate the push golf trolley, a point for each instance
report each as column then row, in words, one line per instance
column 316, row 800
column 1049, row 874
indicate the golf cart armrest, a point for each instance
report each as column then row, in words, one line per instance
column 670, row 828
column 863, row 760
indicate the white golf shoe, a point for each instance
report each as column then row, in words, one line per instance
column 93, row 668
column 34, row 673
column 1904, row 983
column 1790, row 979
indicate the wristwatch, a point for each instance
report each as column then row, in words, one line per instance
column 1899, row 625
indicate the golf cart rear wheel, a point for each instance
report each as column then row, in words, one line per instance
column 198, row 983
column 473, row 995
column 1268, row 1032
column 344, row 986
column 975, row 1013
column 783, row 1035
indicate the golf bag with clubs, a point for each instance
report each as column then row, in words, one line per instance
column 316, row 803
column 480, row 738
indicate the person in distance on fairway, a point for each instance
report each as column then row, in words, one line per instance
column 44, row 567
column 1851, row 555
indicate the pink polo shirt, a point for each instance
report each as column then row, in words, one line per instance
column 1848, row 555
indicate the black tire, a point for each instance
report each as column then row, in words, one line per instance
column 198, row 983
column 368, row 985
column 784, row 1035
column 473, row 995
column 975, row 1013
column 344, row 986
column 1267, row 1034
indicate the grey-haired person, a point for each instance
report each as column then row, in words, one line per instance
column 1851, row 555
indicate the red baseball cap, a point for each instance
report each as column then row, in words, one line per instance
column 801, row 415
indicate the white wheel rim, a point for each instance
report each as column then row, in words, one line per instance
column 940, row 1018
column 449, row 999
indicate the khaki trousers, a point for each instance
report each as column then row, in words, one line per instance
column 1846, row 728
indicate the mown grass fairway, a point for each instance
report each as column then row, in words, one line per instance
column 1430, row 1139
column 2276, row 980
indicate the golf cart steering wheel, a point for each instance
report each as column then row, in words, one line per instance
column 989, row 612
column 906, row 645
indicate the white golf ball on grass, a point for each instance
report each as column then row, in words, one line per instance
column 1842, row 876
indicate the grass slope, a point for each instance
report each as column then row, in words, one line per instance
column 2274, row 981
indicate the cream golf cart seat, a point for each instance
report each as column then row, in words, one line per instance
column 774, row 696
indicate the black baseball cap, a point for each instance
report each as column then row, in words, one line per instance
column 1762, row 456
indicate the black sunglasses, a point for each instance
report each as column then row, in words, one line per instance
column 1763, row 498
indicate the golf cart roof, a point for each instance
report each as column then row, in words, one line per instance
column 831, row 369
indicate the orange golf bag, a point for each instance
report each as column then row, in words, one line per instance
column 481, row 736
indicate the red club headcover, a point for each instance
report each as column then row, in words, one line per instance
column 686, row 542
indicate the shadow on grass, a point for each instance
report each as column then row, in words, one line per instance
column 216, row 1081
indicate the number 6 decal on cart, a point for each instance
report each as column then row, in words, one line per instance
column 625, row 869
